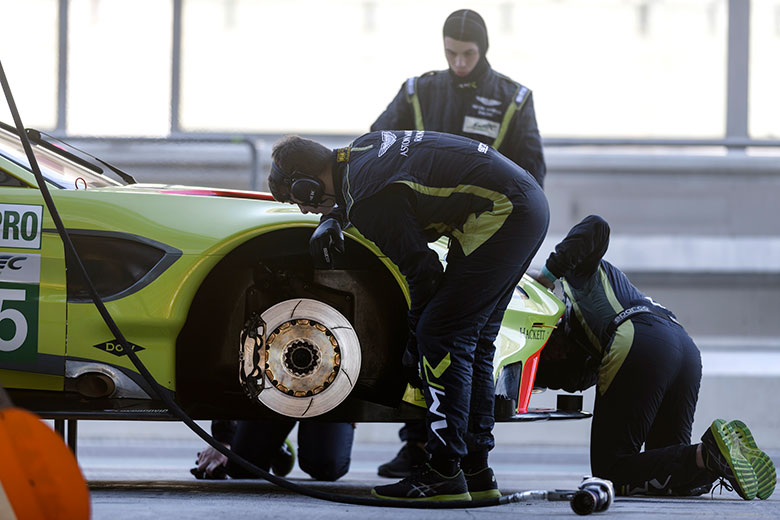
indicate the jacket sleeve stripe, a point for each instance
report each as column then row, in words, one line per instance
column 521, row 96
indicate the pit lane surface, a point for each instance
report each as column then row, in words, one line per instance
column 150, row 479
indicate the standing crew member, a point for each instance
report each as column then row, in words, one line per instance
column 473, row 100
column 402, row 190
column 648, row 372
column 470, row 99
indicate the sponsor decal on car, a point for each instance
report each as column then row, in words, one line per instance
column 20, row 279
column 20, row 226
column 22, row 268
column 115, row 347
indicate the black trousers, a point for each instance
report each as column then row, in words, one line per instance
column 457, row 329
column 651, row 401
column 324, row 449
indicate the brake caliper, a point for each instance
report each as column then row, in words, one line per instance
column 251, row 351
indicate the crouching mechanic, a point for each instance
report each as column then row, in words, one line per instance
column 325, row 449
column 402, row 190
column 647, row 370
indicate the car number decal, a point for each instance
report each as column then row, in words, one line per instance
column 20, row 226
column 20, row 278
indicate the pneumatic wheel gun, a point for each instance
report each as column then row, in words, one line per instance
column 594, row 495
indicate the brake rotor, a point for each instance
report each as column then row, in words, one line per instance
column 312, row 358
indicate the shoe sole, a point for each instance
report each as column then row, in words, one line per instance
column 435, row 498
column 484, row 489
column 760, row 461
column 483, row 495
column 746, row 484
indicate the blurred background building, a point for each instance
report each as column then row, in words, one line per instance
column 663, row 116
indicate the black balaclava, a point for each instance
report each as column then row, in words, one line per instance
column 466, row 25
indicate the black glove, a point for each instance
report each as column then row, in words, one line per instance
column 326, row 239
column 411, row 362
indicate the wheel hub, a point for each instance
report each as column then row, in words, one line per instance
column 302, row 357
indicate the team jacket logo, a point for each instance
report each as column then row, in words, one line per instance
column 388, row 139
column 20, row 226
column 115, row 347
column 488, row 102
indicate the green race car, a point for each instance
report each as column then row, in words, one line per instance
column 218, row 296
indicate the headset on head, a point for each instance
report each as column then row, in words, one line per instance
column 304, row 189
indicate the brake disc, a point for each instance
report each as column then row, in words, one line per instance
column 312, row 358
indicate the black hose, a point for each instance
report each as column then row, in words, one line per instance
column 173, row 407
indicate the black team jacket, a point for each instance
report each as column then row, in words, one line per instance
column 489, row 107
column 404, row 189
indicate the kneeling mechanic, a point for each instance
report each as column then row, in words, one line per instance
column 647, row 371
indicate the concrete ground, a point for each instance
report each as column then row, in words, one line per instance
column 148, row 478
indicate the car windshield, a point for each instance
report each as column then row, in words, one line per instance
column 57, row 169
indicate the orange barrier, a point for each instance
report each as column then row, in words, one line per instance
column 39, row 476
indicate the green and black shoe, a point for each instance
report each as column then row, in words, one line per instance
column 722, row 453
column 425, row 483
column 482, row 484
column 760, row 461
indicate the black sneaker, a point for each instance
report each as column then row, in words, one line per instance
column 410, row 456
column 760, row 461
column 722, row 454
column 426, row 483
column 283, row 461
column 482, row 484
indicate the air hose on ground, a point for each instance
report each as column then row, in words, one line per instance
column 173, row 407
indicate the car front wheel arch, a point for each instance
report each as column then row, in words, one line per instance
column 265, row 271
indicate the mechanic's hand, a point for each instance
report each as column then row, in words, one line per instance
column 326, row 239
column 211, row 464
column 411, row 362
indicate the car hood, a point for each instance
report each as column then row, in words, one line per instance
column 177, row 189
column 195, row 220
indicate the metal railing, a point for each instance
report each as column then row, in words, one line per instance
column 250, row 143
column 257, row 148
